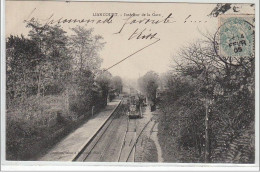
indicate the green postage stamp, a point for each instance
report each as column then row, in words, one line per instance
column 236, row 35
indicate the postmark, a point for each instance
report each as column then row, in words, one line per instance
column 236, row 36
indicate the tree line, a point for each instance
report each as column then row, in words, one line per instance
column 51, row 72
column 207, row 104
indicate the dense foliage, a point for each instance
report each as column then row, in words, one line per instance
column 226, row 86
column 52, row 80
column 148, row 84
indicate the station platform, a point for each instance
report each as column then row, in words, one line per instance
column 70, row 146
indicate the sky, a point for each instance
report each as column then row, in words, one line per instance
column 157, row 57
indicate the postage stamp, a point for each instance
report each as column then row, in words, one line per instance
column 236, row 35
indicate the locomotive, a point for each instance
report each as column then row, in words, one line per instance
column 134, row 107
column 135, row 103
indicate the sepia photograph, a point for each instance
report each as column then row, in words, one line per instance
column 130, row 82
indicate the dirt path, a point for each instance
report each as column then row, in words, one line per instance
column 154, row 137
column 152, row 147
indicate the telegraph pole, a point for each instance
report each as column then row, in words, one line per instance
column 207, row 131
column 207, row 119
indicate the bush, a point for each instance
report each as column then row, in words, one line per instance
column 229, row 92
column 31, row 124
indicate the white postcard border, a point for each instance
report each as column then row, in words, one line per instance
column 104, row 166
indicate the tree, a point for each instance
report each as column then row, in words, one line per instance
column 55, row 60
column 210, row 99
column 117, row 84
column 85, row 47
column 103, row 81
column 149, row 84
column 84, row 87
column 22, row 57
column 43, row 81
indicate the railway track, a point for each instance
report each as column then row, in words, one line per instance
column 89, row 148
column 133, row 148
column 117, row 139
column 135, row 136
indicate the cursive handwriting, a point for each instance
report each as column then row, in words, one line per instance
column 51, row 20
column 140, row 35
column 65, row 20
column 130, row 20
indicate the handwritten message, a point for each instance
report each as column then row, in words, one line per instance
column 126, row 18
column 142, row 23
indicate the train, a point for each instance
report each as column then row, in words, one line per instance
column 135, row 104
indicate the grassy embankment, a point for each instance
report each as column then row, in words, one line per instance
column 37, row 124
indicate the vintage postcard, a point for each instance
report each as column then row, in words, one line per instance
column 130, row 84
